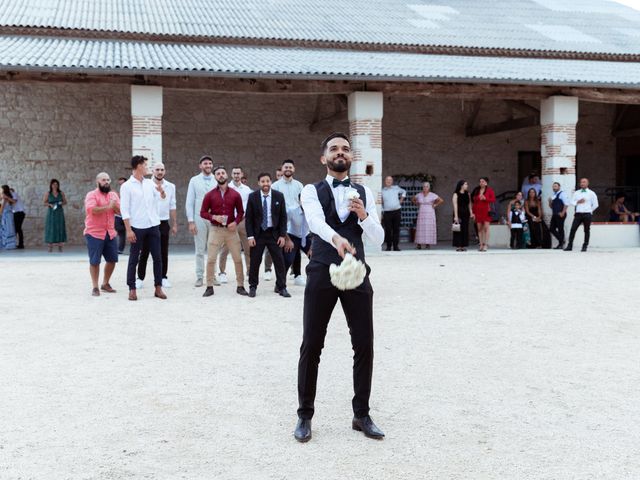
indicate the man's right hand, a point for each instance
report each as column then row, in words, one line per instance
column 252, row 242
column 343, row 246
column 131, row 236
column 193, row 230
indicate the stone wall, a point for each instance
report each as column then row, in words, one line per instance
column 71, row 132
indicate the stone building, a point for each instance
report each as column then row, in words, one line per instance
column 456, row 89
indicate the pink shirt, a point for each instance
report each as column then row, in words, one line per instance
column 100, row 224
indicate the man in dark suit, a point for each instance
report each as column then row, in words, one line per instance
column 266, row 223
column 338, row 219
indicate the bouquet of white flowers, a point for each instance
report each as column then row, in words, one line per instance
column 349, row 274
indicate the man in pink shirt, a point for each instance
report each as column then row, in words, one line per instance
column 101, row 205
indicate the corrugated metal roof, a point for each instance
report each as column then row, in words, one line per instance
column 596, row 26
column 130, row 57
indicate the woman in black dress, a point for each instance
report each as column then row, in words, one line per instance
column 533, row 209
column 461, row 215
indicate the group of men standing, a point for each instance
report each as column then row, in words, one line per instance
column 277, row 217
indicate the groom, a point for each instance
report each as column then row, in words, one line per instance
column 338, row 224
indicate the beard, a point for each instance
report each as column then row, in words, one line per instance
column 104, row 188
column 339, row 167
column 221, row 182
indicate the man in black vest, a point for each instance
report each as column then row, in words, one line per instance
column 559, row 204
column 337, row 223
column 266, row 224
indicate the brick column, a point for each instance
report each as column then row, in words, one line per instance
column 558, row 118
column 365, row 128
column 146, row 116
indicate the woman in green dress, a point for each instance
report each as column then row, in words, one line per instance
column 55, row 231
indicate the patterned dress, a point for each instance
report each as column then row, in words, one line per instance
column 426, row 231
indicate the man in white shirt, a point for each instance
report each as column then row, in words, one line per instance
column 166, row 213
column 244, row 191
column 586, row 202
column 532, row 181
column 291, row 188
column 139, row 208
column 199, row 186
column 338, row 222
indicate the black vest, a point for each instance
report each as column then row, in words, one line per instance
column 515, row 218
column 556, row 204
column 323, row 252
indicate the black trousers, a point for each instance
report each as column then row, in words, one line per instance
column 265, row 239
column 556, row 227
column 391, row 221
column 165, row 230
column 291, row 257
column 151, row 236
column 18, row 220
column 584, row 219
column 516, row 238
column 297, row 264
column 320, row 298
column 122, row 233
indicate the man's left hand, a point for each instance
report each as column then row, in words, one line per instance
column 357, row 206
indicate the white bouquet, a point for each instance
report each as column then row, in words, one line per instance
column 349, row 274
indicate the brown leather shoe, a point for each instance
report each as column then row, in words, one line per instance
column 132, row 295
column 159, row 293
column 107, row 288
column 95, row 292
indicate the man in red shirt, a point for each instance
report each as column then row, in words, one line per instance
column 101, row 205
column 222, row 207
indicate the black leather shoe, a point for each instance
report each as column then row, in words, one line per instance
column 252, row 292
column 241, row 291
column 303, row 430
column 276, row 290
column 568, row 249
column 559, row 247
column 396, row 249
column 584, row 248
column 208, row 292
column 366, row 426
column 284, row 293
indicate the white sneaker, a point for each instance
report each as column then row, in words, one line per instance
column 199, row 282
column 267, row 275
column 299, row 281
column 166, row 283
column 139, row 284
column 222, row 277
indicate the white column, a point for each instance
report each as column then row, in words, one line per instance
column 558, row 118
column 146, row 116
column 365, row 126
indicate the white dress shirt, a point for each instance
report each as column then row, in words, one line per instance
column 269, row 219
column 315, row 215
column 291, row 190
column 560, row 194
column 169, row 202
column 244, row 192
column 139, row 203
column 589, row 205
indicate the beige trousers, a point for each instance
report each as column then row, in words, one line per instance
column 242, row 233
column 219, row 237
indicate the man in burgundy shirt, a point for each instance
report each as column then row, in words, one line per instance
column 222, row 207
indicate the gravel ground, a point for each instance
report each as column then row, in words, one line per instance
column 498, row 365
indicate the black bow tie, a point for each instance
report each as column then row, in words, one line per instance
column 346, row 182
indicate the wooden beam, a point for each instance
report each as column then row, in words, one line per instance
column 475, row 110
column 522, row 107
column 632, row 132
column 506, row 126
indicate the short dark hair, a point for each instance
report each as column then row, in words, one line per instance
column 620, row 195
column 205, row 157
column 288, row 160
column 123, row 178
column 264, row 174
column 517, row 202
column 238, row 167
column 219, row 167
column 557, row 183
column 326, row 141
column 137, row 160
